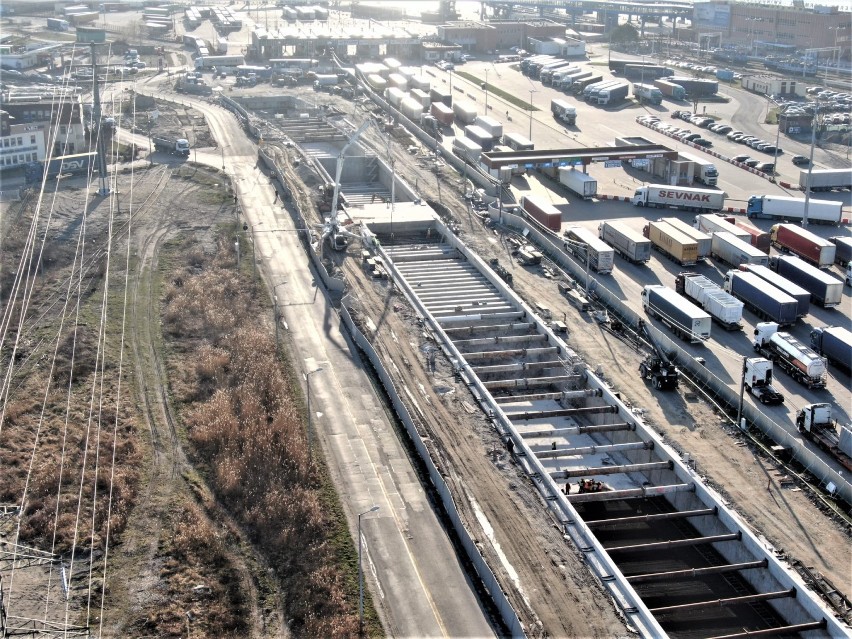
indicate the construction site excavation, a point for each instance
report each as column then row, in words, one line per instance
column 669, row 551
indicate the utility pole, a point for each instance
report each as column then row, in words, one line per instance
column 96, row 117
column 742, row 396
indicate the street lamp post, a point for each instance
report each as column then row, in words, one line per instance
column 307, row 377
column 222, row 149
column 485, row 86
column 531, row 110
column 361, row 574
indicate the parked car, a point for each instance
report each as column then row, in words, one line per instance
column 800, row 160
column 751, row 163
column 766, row 167
column 703, row 142
column 742, row 158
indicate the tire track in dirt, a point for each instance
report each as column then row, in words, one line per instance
column 166, row 484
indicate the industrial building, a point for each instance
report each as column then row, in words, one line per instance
column 773, row 26
column 483, row 37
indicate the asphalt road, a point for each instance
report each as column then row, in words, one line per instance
column 409, row 562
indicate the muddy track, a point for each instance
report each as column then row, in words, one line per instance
column 165, row 485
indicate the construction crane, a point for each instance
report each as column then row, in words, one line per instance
column 657, row 366
column 338, row 237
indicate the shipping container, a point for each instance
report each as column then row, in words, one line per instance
column 835, row 344
column 577, row 182
column 757, row 238
column 683, row 317
column 811, row 248
column 542, row 212
column 626, row 242
column 444, row 114
column 670, row 90
column 480, row 136
column 825, row 290
column 465, row 112
column 663, row 195
column 600, row 254
column 790, row 208
column 394, row 96
column 766, row 301
column 732, row 250
column 802, row 297
column 711, row 223
column 843, row 252
column 701, row 239
column 672, row 243
column 494, row 128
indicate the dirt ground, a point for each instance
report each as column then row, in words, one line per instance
column 164, row 504
column 778, row 510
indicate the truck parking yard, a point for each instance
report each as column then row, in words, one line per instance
column 600, row 503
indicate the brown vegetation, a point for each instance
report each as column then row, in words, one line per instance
column 247, row 436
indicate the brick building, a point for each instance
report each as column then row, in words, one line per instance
column 490, row 36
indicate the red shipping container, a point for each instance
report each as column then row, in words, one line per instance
column 542, row 212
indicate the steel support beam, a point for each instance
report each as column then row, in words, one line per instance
column 611, row 470
column 678, row 543
column 518, row 367
column 697, row 572
column 511, row 399
column 469, row 330
column 776, row 632
column 576, row 430
column 529, row 382
column 513, row 352
column 631, row 493
column 501, row 339
column 642, row 519
column 731, row 601
column 593, row 450
column 562, row 412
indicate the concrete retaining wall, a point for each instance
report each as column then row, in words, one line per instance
column 505, row 609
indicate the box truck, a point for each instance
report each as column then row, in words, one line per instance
column 542, row 212
column 467, row 149
column 723, row 307
column 734, row 251
column 835, row 344
column 647, row 93
column 577, row 182
column 626, row 242
column 780, row 207
column 825, row 179
column 711, row 223
column 802, row 297
column 843, row 252
column 563, row 111
column 174, row 146
column 668, row 240
column 766, row 301
column 757, row 238
column 579, row 85
column 479, row 135
column 703, row 170
column 790, row 238
column 663, row 195
column 670, row 90
column 442, row 113
column 684, row 318
column 613, row 95
column 494, row 128
column 465, row 112
column 600, row 254
column 825, row 290
column 701, row 239
column 793, row 356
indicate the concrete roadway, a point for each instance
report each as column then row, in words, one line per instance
column 410, row 565
column 598, row 127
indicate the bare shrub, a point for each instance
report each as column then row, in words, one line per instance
column 246, row 429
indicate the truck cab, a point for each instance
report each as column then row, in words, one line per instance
column 762, row 332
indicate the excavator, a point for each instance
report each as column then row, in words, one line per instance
column 657, row 366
